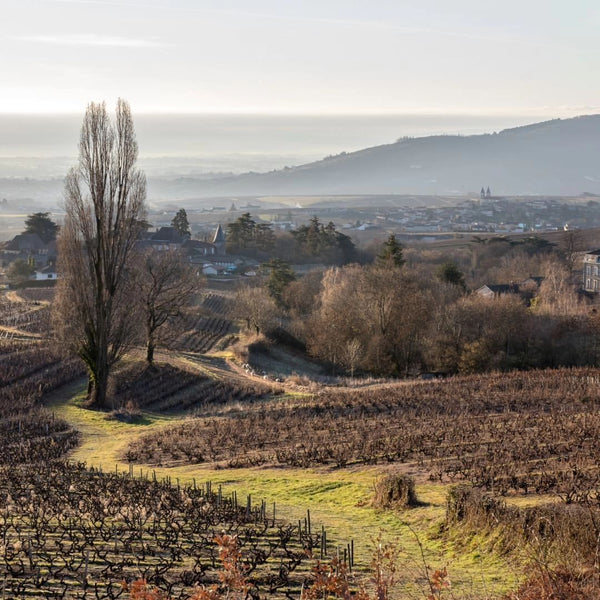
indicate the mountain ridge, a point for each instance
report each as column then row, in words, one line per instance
column 557, row 156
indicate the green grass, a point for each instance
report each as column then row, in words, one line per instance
column 339, row 499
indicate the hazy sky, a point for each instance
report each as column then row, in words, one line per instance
column 302, row 56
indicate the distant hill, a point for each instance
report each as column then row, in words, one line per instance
column 558, row 157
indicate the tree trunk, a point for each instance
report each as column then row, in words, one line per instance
column 150, row 351
column 99, row 398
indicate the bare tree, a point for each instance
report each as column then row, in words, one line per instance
column 378, row 313
column 104, row 205
column 165, row 284
column 558, row 295
column 572, row 245
column 352, row 354
column 257, row 308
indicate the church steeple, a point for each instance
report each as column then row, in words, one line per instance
column 219, row 240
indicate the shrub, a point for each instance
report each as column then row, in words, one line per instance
column 562, row 583
column 395, row 491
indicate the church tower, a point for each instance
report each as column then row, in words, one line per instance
column 219, row 241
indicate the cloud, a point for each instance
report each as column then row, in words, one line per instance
column 90, row 39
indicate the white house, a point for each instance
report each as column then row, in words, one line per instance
column 209, row 269
column 48, row 272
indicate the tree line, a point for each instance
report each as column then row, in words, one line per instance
column 311, row 242
column 399, row 316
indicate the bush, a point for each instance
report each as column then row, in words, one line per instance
column 562, row 583
column 395, row 491
column 557, row 532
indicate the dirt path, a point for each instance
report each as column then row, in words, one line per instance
column 103, row 441
column 14, row 297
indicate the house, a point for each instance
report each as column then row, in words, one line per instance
column 197, row 248
column 526, row 289
column 30, row 243
column 167, row 238
column 209, row 269
column 48, row 273
column 591, row 271
column 28, row 247
column 494, row 290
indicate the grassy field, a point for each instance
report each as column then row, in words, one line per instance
column 338, row 499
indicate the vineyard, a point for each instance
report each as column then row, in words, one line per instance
column 177, row 387
column 26, row 316
column 71, row 532
column 200, row 334
column 67, row 531
column 31, row 367
column 200, row 331
column 506, row 433
column 37, row 294
column 218, row 304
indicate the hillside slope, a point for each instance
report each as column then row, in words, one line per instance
column 559, row 157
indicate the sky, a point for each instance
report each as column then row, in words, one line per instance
column 302, row 56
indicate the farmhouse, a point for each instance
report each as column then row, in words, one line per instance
column 168, row 238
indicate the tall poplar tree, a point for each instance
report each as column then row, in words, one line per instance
column 104, row 209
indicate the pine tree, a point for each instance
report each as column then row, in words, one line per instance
column 391, row 253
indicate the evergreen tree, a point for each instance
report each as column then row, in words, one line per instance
column 325, row 242
column 181, row 223
column 43, row 225
column 450, row 273
column 391, row 252
column 240, row 232
column 246, row 234
column 280, row 276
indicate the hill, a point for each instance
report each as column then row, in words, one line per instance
column 558, row 157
